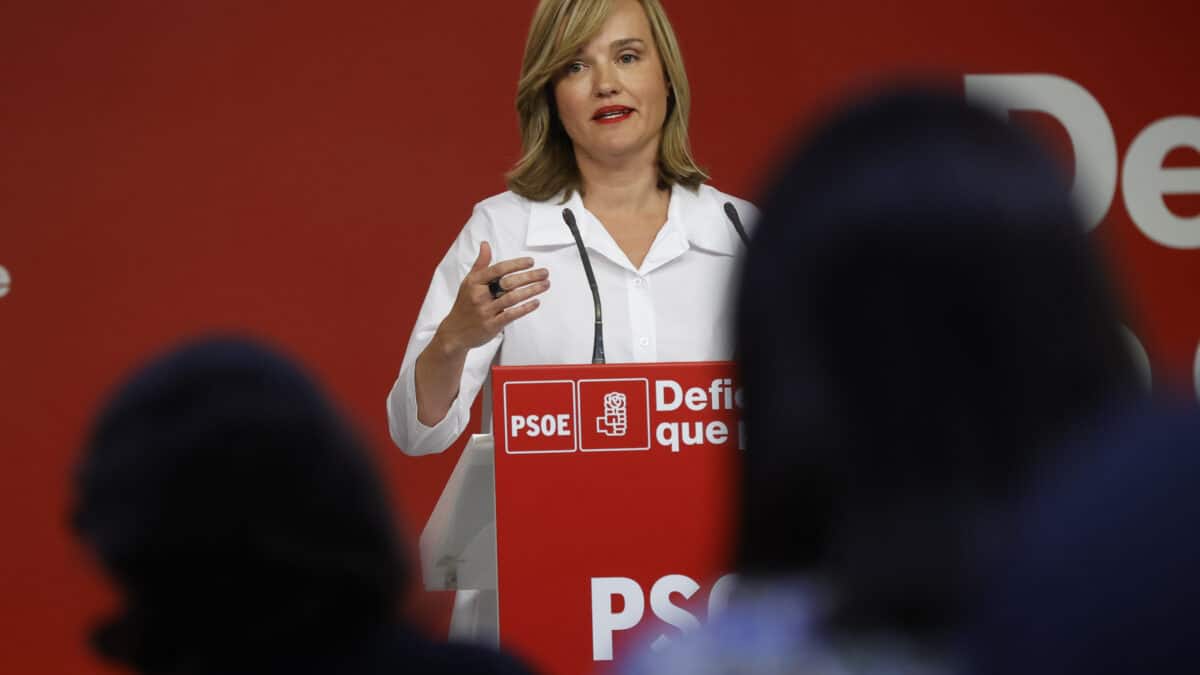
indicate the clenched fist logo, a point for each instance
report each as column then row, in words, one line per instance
column 614, row 421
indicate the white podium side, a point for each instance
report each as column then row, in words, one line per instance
column 458, row 544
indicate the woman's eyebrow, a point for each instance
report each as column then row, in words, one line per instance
column 625, row 42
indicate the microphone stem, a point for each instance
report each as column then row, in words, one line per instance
column 732, row 214
column 598, row 333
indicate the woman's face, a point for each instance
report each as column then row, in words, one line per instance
column 612, row 98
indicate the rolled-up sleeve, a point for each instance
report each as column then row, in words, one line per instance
column 408, row 433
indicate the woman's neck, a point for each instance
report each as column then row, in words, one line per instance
column 628, row 189
column 628, row 203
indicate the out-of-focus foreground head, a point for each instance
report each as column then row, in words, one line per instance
column 235, row 512
column 921, row 316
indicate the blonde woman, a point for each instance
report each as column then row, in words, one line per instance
column 603, row 102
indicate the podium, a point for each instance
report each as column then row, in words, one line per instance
column 458, row 544
column 597, row 518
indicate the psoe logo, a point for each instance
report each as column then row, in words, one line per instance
column 668, row 604
column 621, row 410
column 615, row 420
column 539, row 417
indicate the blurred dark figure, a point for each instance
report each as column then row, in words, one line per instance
column 245, row 527
column 921, row 318
column 1105, row 576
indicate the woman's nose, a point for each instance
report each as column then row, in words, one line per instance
column 606, row 82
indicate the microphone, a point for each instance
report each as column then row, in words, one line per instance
column 732, row 214
column 598, row 335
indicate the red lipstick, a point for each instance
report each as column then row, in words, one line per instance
column 611, row 114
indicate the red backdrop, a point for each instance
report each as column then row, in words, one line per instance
column 295, row 170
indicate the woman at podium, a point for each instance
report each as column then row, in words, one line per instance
column 603, row 103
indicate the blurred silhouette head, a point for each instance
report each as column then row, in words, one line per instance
column 234, row 510
column 920, row 316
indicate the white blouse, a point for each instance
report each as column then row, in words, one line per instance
column 676, row 307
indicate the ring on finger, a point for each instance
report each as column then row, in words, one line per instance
column 495, row 288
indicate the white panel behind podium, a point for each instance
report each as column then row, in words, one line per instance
column 458, row 544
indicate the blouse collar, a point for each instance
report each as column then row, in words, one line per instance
column 694, row 220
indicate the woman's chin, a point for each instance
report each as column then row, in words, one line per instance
column 616, row 151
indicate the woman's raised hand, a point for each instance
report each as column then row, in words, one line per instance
column 477, row 316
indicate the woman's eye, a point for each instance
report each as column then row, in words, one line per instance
column 628, row 57
column 575, row 67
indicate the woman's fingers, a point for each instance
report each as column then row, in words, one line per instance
column 513, row 313
column 516, row 304
column 502, row 268
column 484, row 258
column 504, row 302
column 477, row 316
column 515, row 281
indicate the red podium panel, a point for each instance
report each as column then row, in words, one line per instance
column 614, row 493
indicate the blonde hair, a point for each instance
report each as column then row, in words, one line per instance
column 560, row 28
